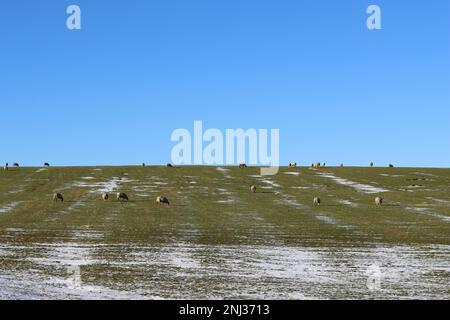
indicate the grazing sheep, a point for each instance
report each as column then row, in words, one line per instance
column 162, row 200
column 105, row 196
column 242, row 165
column 253, row 188
column 46, row 164
column 292, row 164
column 6, row 167
column 378, row 201
column 316, row 201
column 317, row 165
column 122, row 196
column 391, row 165
column 169, row 165
column 15, row 164
column 58, row 197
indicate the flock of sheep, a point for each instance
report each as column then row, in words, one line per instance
column 316, row 200
column 120, row 196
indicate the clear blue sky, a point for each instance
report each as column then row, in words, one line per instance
column 113, row 92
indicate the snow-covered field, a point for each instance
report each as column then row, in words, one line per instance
column 202, row 271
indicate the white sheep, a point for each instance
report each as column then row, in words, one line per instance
column 316, row 201
column 162, row 200
column 121, row 196
column 378, row 201
column 58, row 197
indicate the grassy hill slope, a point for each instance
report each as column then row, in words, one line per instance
column 219, row 240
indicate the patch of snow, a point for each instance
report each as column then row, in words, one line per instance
column 224, row 171
column 228, row 201
column 289, row 272
column 98, row 187
column 15, row 191
column 8, row 207
column 425, row 174
column 68, row 254
column 330, row 220
column 292, row 173
column 270, row 183
column 73, row 206
column 223, row 191
column 288, row 201
column 426, row 211
column 348, row 203
column 391, row 175
column 446, row 202
column 365, row 188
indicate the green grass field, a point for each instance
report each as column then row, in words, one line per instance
column 219, row 240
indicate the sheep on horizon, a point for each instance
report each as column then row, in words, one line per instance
column 292, row 164
column 242, row 165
